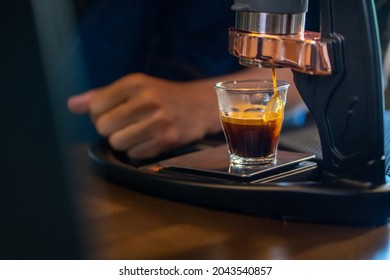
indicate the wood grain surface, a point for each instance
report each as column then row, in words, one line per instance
column 119, row 223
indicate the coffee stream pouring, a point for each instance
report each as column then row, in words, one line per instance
column 337, row 72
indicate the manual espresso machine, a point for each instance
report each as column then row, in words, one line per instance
column 338, row 73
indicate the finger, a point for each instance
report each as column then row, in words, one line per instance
column 146, row 149
column 123, row 115
column 152, row 147
column 155, row 126
column 111, row 96
column 79, row 104
column 130, row 136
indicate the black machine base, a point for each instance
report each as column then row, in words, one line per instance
column 289, row 191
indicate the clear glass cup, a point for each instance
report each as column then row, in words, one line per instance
column 252, row 113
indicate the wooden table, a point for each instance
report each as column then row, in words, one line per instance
column 120, row 223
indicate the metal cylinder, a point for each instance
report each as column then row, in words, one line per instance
column 267, row 23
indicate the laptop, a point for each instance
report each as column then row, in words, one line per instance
column 39, row 217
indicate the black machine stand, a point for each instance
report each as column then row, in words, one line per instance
column 348, row 105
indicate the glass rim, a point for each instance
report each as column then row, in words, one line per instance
column 223, row 85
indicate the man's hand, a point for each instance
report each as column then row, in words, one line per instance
column 145, row 116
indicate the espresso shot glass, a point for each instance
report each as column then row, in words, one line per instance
column 251, row 113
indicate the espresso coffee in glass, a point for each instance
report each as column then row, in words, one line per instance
column 251, row 113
